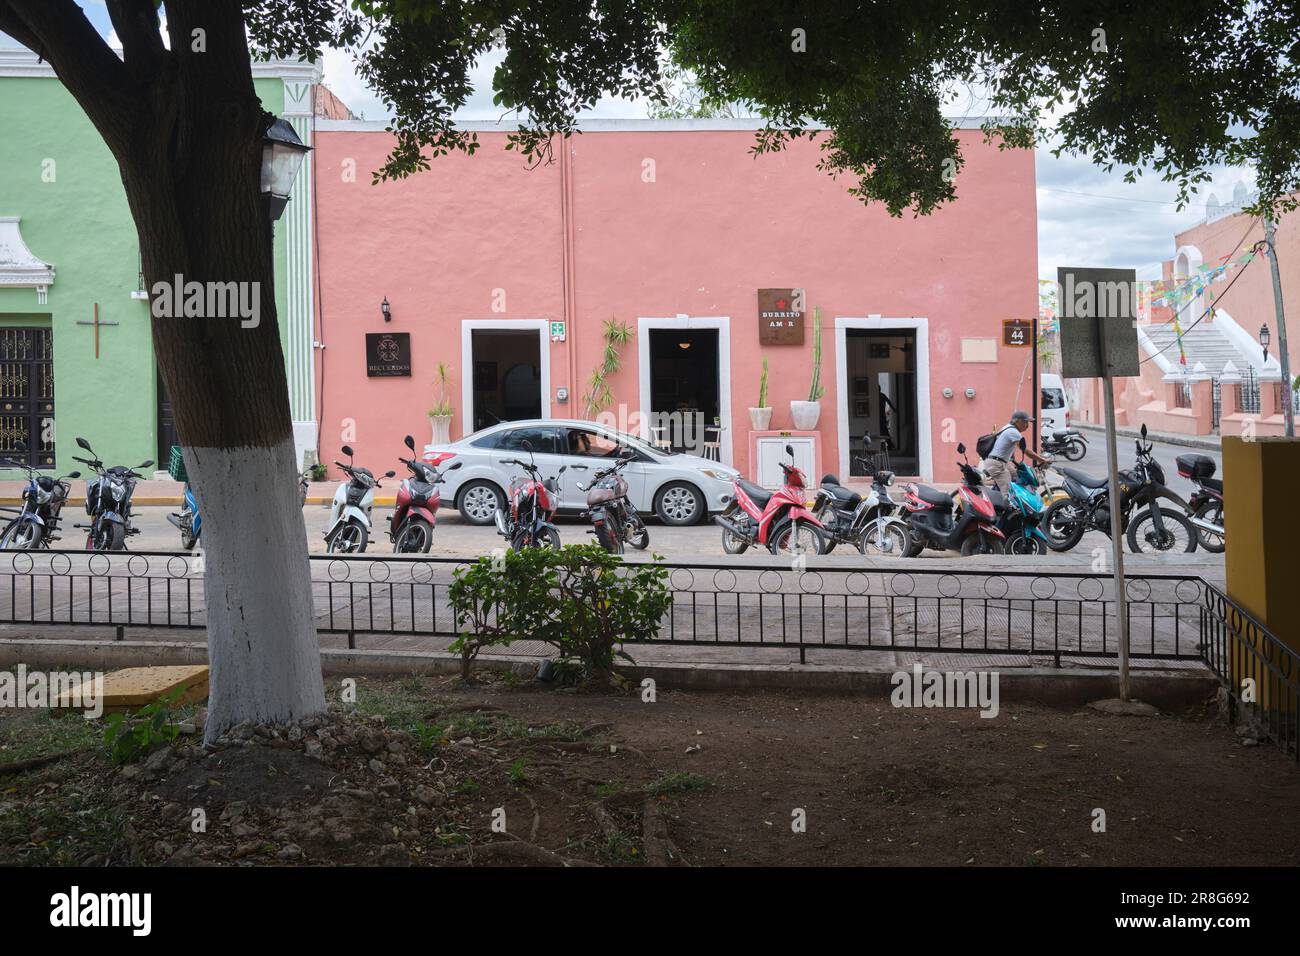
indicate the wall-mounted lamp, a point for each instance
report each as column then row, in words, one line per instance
column 1264, row 337
column 683, row 345
column 387, row 310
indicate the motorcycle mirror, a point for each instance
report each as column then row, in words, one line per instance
column 563, row 469
column 347, row 450
column 1144, row 429
column 527, row 445
column 147, row 463
column 961, row 448
column 74, row 474
column 20, row 445
column 789, row 450
column 390, row 474
column 83, row 443
column 409, row 442
column 455, row 466
column 627, row 454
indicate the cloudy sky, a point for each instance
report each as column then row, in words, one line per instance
column 1085, row 216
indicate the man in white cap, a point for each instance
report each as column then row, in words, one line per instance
column 998, row 463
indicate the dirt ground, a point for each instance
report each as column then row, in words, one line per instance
column 419, row 769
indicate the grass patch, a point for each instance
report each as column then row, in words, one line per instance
column 25, row 734
column 677, row 782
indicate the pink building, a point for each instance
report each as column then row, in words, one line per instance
column 508, row 275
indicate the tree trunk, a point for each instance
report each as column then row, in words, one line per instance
column 186, row 128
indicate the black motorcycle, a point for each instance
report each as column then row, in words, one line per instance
column 36, row 523
column 1150, row 527
column 1068, row 443
column 1205, row 507
column 870, row 523
column 108, row 502
column 613, row 517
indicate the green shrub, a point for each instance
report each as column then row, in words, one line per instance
column 152, row 725
column 580, row 599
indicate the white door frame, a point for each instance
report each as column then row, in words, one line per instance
column 467, row 327
column 925, row 457
column 722, row 325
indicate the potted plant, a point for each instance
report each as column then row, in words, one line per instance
column 440, row 414
column 805, row 414
column 761, row 417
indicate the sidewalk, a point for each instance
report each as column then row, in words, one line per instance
column 1204, row 442
column 167, row 492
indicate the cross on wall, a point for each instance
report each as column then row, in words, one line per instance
column 96, row 323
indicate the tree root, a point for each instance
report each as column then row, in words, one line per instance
column 654, row 835
column 512, row 849
column 19, row 766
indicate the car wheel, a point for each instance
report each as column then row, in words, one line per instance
column 679, row 503
column 478, row 502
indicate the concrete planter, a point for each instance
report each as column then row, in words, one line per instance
column 805, row 415
column 441, row 428
column 760, row 418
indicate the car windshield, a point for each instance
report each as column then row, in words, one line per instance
column 640, row 444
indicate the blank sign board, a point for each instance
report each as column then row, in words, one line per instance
column 1087, row 299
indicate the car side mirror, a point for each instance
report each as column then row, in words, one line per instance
column 627, row 454
column 83, row 443
column 390, row 474
column 347, row 450
column 961, row 448
column 409, row 442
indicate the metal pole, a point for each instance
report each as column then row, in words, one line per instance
column 1035, row 390
column 1116, row 539
column 1284, row 357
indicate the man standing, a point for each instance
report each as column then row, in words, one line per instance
column 997, row 464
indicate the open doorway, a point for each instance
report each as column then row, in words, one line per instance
column 881, row 393
column 506, row 376
column 685, row 396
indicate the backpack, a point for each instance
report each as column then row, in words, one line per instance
column 984, row 444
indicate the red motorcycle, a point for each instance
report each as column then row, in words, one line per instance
column 533, row 500
column 936, row 522
column 780, row 519
column 411, row 527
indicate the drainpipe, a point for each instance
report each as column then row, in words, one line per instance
column 568, row 270
column 1283, row 356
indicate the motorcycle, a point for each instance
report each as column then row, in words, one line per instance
column 37, row 521
column 108, row 502
column 1020, row 512
column 1148, row 526
column 935, row 521
column 867, row 523
column 416, row 512
column 613, row 518
column 780, row 519
column 1205, row 507
column 349, row 529
column 533, row 501
column 1070, row 443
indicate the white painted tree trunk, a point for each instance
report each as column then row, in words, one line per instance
column 262, row 644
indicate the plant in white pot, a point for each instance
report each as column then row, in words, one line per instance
column 805, row 414
column 761, row 417
column 442, row 411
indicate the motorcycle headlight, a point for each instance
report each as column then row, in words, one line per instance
column 118, row 491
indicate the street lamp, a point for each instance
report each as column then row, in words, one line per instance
column 282, row 156
column 1264, row 339
column 387, row 310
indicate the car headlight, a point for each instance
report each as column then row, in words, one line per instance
column 719, row 475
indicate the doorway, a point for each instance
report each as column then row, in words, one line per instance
column 881, row 396
column 167, row 434
column 506, row 376
column 684, row 388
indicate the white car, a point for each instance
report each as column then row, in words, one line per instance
column 680, row 489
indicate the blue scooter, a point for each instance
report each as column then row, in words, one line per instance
column 189, row 521
column 1020, row 513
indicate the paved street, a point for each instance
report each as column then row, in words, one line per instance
column 1094, row 463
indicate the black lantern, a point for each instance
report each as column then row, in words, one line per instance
column 386, row 309
column 1264, row 338
column 282, row 156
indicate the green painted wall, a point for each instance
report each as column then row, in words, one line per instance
column 79, row 222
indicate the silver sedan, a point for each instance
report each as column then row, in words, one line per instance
column 679, row 489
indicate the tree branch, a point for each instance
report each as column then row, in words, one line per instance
column 138, row 27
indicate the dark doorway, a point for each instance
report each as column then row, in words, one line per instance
column 507, row 376
column 881, row 392
column 27, row 391
column 167, row 433
column 684, row 394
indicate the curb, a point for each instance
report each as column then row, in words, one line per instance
column 1188, row 441
column 1168, row 690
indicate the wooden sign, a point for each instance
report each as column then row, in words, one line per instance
column 1017, row 333
column 388, row 354
column 780, row 316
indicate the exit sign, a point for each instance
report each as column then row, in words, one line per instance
column 557, row 331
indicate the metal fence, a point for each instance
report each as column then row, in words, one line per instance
column 1248, row 392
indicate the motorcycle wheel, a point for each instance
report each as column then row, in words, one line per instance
column 1210, row 511
column 805, row 539
column 733, row 543
column 607, row 539
column 915, row 543
column 977, row 543
column 639, row 537
column 351, row 539
column 1179, row 535
column 1022, row 543
column 1062, row 525
column 188, row 541
column 22, row 536
column 892, row 541
column 1074, row 450
column 110, row 537
column 415, row 538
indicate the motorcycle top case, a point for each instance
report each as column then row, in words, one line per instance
column 1195, row 466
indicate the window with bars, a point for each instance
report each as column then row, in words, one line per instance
column 27, row 395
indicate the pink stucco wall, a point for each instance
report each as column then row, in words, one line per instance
column 713, row 226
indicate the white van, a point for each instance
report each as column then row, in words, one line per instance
column 1053, row 410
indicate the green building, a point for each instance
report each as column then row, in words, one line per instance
column 76, row 356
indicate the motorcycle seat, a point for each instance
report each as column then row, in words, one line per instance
column 843, row 496
column 1083, row 478
column 1060, row 436
column 933, row 495
column 757, row 494
column 1212, row 484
